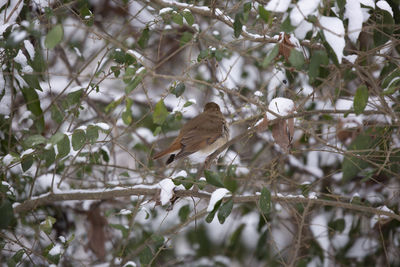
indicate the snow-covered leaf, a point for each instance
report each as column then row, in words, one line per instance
column 188, row 17
column 333, row 30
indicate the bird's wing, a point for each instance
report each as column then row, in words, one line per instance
column 200, row 135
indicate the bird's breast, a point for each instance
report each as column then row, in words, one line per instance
column 219, row 142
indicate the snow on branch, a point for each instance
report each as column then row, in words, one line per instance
column 154, row 191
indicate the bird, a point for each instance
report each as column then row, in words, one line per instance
column 205, row 133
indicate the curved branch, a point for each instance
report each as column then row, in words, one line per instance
column 49, row 198
column 218, row 14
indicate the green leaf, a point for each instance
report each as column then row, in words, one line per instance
column 286, row 26
column 32, row 81
column 78, row 139
column 114, row 104
column 116, row 70
column 338, row 225
column 129, row 74
column 188, row 104
column 124, row 230
column 389, row 73
column 186, row 37
column 271, row 56
column 394, row 162
column 264, row 14
column 203, row 54
column 87, row 16
column 33, row 104
column 384, row 26
column 146, row 256
column 229, row 182
column 26, row 162
column 16, row 258
column 54, row 36
column 56, row 114
column 34, row 140
column 391, row 81
column 211, row 215
column 7, row 214
column 319, row 58
column 49, row 156
column 105, row 155
column 92, row 133
column 213, row 178
column 47, row 225
column 329, row 51
column 235, row 240
column 366, row 142
column 184, row 213
column 341, row 4
column 144, row 38
column 127, row 114
column 50, row 257
column 135, row 82
column 74, row 98
column 218, row 54
column 57, row 137
column 63, row 147
column 360, row 99
column 237, row 25
column 187, row 182
column 393, row 88
column 118, row 55
column 160, row 113
column 188, row 17
column 296, row 58
column 39, row 64
column 157, row 130
column 127, row 117
column 246, row 12
column 265, row 201
column 177, row 18
column 225, row 210
column 179, row 89
column 158, row 240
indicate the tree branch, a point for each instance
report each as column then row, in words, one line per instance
column 49, row 198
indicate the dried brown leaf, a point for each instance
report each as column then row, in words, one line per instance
column 290, row 129
column 283, row 132
column 280, row 134
column 285, row 45
column 347, row 135
column 263, row 125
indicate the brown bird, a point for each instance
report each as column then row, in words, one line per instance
column 204, row 133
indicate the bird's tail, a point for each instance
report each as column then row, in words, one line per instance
column 174, row 147
column 161, row 154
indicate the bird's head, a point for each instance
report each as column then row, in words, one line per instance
column 211, row 106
